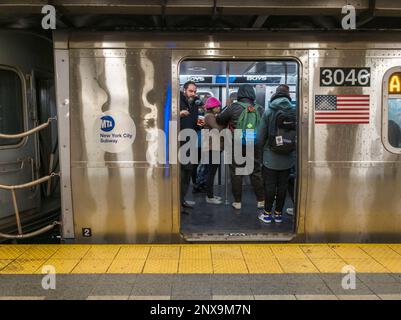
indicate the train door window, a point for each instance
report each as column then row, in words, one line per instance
column 11, row 106
column 215, row 217
column 392, row 110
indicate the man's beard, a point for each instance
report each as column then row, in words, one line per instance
column 191, row 100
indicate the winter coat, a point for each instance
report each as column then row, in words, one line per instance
column 230, row 115
column 190, row 121
column 211, row 123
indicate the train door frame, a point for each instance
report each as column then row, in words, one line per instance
column 386, row 96
column 62, row 89
column 301, row 57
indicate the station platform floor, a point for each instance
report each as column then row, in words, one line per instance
column 202, row 271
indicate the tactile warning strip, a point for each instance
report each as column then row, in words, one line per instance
column 200, row 258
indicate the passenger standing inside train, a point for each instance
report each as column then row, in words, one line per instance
column 229, row 117
column 188, row 120
column 276, row 166
column 213, row 107
column 232, row 98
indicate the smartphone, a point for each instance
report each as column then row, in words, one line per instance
column 201, row 120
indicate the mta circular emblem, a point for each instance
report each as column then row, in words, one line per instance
column 107, row 123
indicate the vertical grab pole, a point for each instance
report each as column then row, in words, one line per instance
column 16, row 211
column 49, row 183
column 227, row 167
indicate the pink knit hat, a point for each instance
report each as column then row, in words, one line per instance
column 212, row 103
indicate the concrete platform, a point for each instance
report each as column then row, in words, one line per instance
column 198, row 287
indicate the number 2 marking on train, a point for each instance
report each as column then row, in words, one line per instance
column 87, row 232
column 350, row 77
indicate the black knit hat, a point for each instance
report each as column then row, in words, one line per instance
column 282, row 91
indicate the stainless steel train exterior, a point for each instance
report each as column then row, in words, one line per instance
column 349, row 177
column 26, row 68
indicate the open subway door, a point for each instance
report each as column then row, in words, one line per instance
column 204, row 219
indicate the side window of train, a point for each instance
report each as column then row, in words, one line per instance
column 11, row 106
column 392, row 110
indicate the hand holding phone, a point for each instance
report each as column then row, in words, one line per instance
column 201, row 121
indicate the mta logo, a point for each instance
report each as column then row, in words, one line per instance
column 107, row 124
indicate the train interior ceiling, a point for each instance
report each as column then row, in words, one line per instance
column 220, row 79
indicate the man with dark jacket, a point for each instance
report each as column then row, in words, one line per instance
column 188, row 120
column 229, row 117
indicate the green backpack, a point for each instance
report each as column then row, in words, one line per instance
column 249, row 119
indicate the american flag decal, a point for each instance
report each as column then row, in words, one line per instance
column 342, row 108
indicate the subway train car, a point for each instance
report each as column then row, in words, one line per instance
column 28, row 139
column 117, row 98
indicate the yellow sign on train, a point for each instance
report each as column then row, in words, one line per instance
column 394, row 84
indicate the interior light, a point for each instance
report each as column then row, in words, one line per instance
column 196, row 68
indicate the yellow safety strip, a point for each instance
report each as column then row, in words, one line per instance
column 200, row 258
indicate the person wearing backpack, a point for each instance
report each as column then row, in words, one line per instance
column 244, row 114
column 277, row 138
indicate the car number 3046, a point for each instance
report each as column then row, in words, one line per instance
column 350, row 77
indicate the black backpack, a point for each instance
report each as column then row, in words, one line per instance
column 282, row 131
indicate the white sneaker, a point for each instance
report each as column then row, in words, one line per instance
column 261, row 204
column 266, row 218
column 213, row 200
column 217, row 197
column 190, row 202
column 290, row 211
column 236, row 205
